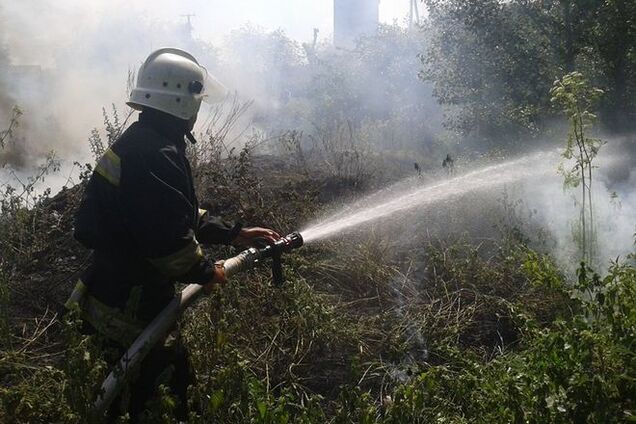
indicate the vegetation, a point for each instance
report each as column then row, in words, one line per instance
column 466, row 317
column 13, row 123
column 494, row 62
column 576, row 97
column 479, row 334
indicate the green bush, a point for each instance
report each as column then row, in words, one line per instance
column 578, row 370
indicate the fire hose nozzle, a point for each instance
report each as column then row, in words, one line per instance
column 290, row 242
column 283, row 245
column 275, row 251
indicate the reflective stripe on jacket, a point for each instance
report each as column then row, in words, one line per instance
column 108, row 321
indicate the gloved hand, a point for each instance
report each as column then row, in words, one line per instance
column 254, row 237
column 217, row 280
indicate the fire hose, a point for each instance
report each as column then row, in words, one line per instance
column 159, row 328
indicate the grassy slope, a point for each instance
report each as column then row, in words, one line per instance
column 431, row 330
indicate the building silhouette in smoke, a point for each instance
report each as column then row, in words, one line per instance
column 353, row 19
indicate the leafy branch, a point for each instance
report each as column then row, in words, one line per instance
column 576, row 98
column 13, row 124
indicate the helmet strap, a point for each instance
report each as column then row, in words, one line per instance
column 190, row 137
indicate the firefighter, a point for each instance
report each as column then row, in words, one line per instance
column 141, row 218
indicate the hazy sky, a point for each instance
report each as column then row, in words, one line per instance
column 36, row 27
column 296, row 17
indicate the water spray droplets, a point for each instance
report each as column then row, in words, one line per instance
column 481, row 179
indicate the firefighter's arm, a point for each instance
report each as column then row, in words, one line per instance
column 214, row 230
column 160, row 217
column 252, row 236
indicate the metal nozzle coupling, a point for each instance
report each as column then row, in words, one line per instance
column 275, row 251
column 289, row 242
column 283, row 245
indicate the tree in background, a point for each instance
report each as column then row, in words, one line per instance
column 576, row 98
column 373, row 87
column 7, row 103
column 614, row 38
column 492, row 62
column 376, row 85
column 488, row 63
column 263, row 65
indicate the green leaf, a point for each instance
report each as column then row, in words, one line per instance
column 262, row 409
column 216, row 400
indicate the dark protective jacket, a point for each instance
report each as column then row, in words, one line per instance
column 141, row 217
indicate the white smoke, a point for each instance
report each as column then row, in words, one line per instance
column 70, row 58
column 614, row 198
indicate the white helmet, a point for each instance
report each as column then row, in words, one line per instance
column 172, row 81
